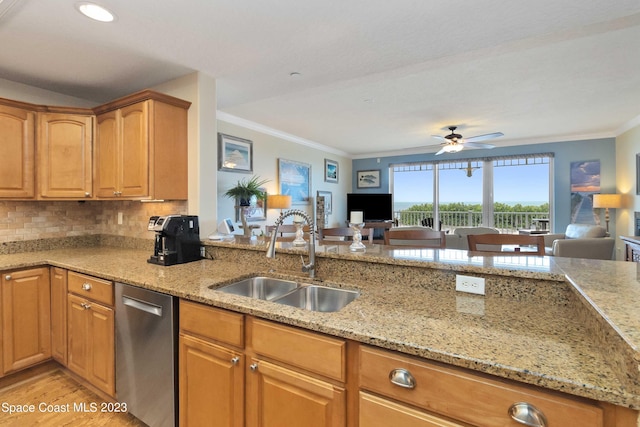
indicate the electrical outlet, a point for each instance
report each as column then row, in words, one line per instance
column 120, row 218
column 470, row 284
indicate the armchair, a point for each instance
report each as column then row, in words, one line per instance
column 580, row 241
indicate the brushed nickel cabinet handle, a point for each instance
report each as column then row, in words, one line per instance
column 402, row 378
column 7, row 277
column 85, row 305
column 253, row 367
column 86, row 286
column 235, row 360
column 527, row 414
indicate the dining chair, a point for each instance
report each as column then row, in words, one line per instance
column 423, row 238
column 342, row 235
column 287, row 232
column 509, row 244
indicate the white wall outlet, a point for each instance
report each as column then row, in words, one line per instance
column 470, row 284
column 120, row 218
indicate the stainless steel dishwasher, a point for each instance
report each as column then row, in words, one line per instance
column 146, row 354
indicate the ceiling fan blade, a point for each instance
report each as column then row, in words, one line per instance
column 440, row 152
column 468, row 144
column 437, row 136
column 484, row 137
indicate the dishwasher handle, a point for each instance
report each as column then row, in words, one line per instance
column 156, row 310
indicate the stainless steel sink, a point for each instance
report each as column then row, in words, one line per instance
column 318, row 298
column 266, row 288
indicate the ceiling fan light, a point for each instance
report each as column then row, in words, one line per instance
column 452, row 148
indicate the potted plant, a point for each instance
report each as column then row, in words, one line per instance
column 243, row 192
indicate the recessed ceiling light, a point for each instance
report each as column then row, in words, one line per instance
column 95, row 12
column 295, row 74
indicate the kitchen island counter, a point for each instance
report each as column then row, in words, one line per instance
column 550, row 322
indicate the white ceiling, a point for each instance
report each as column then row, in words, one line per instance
column 376, row 76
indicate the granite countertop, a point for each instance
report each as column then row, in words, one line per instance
column 536, row 343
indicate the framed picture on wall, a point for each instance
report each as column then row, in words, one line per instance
column 330, row 170
column 369, row 179
column 295, row 180
column 328, row 201
column 234, row 154
column 638, row 173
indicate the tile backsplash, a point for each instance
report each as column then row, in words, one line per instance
column 20, row 221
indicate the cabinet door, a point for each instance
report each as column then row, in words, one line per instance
column 106, row 154
column 77, row 335
column 17, row 151
column 26, row 319
column 59, row 314
column 279, row 397
column 64, row 155
column 377, row 412
column 134, row 173
column 101, row 369
column 211, row 385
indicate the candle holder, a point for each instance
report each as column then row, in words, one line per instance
column 299, row 240
column 357, row 245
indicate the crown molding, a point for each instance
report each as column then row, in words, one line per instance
column 235, row 120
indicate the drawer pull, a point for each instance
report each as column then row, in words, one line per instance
column 86, row 286
column 253, row 367
column 7, row 277
column 402, row 378
column 527, row 414
column 235, row 360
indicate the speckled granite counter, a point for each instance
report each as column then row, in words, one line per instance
column 533, row 325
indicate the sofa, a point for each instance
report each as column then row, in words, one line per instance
column 458, row 238
column 580, row 241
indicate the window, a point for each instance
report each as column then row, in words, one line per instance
column 509, row 192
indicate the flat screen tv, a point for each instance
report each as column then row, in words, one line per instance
column 375, row 206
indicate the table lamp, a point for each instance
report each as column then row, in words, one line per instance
column 607, row 201
column 278, row 201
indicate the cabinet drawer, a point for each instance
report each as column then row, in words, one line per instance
column 212, row 323
column 307, row 350
column 377, row 412
column 90, row 287
column 465, row 396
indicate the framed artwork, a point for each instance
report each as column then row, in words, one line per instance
column 330, row 170
column 585, row 182
column 328, row 201
column 234, row 154
column 637, row 173
column 295, row 180
column 369, row 179
column 257, row 211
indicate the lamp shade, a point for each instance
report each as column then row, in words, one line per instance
column 278, row 201
column 607, row 201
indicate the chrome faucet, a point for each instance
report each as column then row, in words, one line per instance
column 271, row 250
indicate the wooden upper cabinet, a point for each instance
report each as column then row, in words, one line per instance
column 65, row 156
column 141, row 148
column 17, row 151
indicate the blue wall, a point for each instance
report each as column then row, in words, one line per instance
column 564, row 154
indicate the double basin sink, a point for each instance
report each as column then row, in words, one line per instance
column 291, row 293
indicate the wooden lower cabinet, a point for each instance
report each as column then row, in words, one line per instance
column 211, row 384
column 281, row 397
column 91, row 345
column 59, row 314
column 26, row 322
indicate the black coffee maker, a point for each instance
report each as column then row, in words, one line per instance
column 177, row 239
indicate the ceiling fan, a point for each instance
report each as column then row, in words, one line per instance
column 454, row 142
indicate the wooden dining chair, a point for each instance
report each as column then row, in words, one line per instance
column 423, row 238
column 506, row 244
column 287, row 232
column 342, row 235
